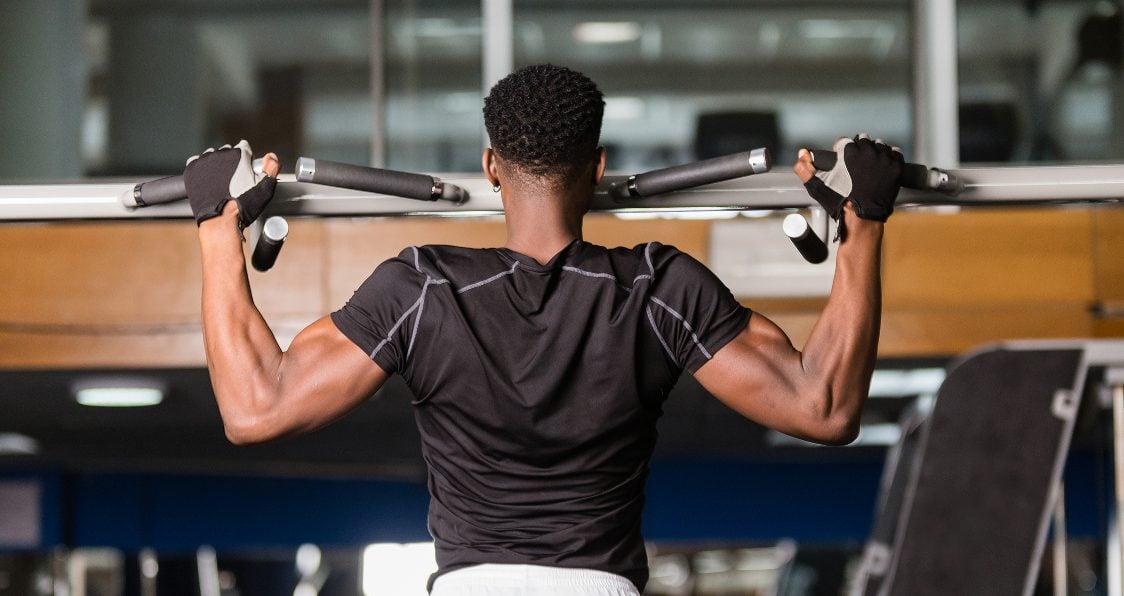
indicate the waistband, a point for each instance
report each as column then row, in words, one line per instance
column 520, row 576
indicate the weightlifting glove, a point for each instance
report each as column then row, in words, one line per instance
column 866, row 173
column 224, row 174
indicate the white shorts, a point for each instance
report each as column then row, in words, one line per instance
column 531, row 580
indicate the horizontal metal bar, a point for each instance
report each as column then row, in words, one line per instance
column 771, row 191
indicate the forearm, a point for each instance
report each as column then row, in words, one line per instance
column 840, row 352
column 243, row 356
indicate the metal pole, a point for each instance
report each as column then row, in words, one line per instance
column 207, row 565
column 378, row 90
column 498, row 43
column 936, row 98
column 772, row 191
column 1115, row 379
column 1060, row 537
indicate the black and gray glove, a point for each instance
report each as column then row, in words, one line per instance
column 224, row 174
column 866, row 173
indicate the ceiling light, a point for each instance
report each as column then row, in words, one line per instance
column 906, row 383
column 119, row 392
column 624, row 108
column 607, row 32
column 881, row 434
column 17, row 444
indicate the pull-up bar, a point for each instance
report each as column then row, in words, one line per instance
column 734, row 182
column 773, row 191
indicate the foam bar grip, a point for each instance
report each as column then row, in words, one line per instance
column 694, row 174
column 273, row 234
column 914, row 175
column 810, row 246
column 388, row 182
column 155, row 192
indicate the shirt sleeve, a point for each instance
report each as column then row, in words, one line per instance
column 378, row 318
column 694, row 313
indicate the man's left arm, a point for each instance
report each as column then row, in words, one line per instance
column 262, row 391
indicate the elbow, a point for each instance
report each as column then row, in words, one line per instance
column 243, row 433
column 248, row 415
column 837, row 433
column 835, row 421
column 246, row 428
column 832, row 433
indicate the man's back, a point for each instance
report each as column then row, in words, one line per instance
column 538, row 388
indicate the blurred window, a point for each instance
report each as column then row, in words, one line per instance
column 166, row 79
column 693, row 80
column 130, row 87
column 1040, row 81
column 432, row 85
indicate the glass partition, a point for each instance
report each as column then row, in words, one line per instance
column 686, row 81
column 1040, row 81
column 167, row 79
column 433, row 78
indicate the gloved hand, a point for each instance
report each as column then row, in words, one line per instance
column 866, row 173
column 224, row 174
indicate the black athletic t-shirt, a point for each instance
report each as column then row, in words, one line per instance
column 537, row 389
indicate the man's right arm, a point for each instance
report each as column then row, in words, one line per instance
column 818, row 393
column 263, row 392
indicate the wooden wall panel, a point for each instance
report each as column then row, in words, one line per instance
column 937, row 332
column 1108, row 252
column 103, row 273
column 984, row 256
column 294, row 287
column 1108, row 267
column 127, row 294
column 355, row 248
column 946, row 332
column 691, row 237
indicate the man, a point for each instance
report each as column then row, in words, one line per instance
column 539, row 369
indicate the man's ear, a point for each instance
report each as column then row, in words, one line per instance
column 488, row 164
column 599, row 166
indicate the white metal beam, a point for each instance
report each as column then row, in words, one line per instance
column 771, row 191
column 936, row 99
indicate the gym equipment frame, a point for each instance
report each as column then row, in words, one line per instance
column 774, row 191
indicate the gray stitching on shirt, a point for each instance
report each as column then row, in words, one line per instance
column 663, row 342
column 648, row 257
column 417, row 306
column 417, row 319
column 687, row 325
column 398, row 324
column 589, row 273
column 607, row 276
column 490, row 279
column 416, row 265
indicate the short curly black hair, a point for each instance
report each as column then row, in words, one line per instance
column 545, row 119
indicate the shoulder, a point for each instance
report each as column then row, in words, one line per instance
column 455, row 265
column 664, row 259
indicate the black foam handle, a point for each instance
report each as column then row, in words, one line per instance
column 698, row 173
column 914, row 175
column 155, row 192
column 807, row 243
column 390, row 182
column 269, row 243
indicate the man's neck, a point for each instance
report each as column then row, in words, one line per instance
column 541, row 226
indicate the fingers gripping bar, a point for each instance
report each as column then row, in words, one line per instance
column 914, row 175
